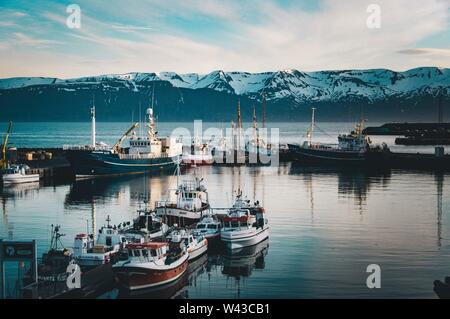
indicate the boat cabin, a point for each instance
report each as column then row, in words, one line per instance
column 191, row 195
column 146, row 251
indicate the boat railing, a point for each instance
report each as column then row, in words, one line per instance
column 335, row 147
column 73, row 147
column 142, row 156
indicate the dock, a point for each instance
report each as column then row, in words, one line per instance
column 49, row 163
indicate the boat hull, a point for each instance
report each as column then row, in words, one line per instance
column 240, row 239
column 181, row 217
column 133, row 277
column 196, row 252
column 190, row 159
column 322, row 155
column 9, row 179
column 87, row 164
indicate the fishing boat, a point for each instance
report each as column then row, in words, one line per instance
column 91, row 253
column 209, row 226
column 191, row 202
column 196, row 245
column 355, row 147
column 245, row 224
column 18, row 174
column 146, row 227
column 53, row 266
column 198, row 154
column 151, row 264
column 145, row 153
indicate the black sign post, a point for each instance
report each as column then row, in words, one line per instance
column 17, row 251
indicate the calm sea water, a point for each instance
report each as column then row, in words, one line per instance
column 327, row 225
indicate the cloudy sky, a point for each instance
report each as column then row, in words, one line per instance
column 204, row 35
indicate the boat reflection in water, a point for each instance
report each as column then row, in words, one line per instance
column 241, row 262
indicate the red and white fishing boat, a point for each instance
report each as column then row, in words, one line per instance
column 151, row 264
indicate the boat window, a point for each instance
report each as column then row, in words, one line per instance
column 212, row 226
column 202, row 226
column 130, row 252
column 108, row 241
column 190, row 195
column 137, row 253
column 144, row 252
column 234, row 224
column 243, row 224
column 153, row 252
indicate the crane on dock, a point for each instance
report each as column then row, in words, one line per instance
column 4, row 160
column 116, row 146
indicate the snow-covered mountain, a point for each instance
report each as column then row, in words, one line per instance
column 338, row 95
column 294, row 85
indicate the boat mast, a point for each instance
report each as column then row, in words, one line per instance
column 311, row 130
column 4, row 160
column 263, row 110
column 239, row 125
column 255, row 126
column 93, row 121
column 151, row 120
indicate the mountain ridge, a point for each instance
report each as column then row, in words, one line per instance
column 213, row 96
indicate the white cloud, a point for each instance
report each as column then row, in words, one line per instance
column 334, row 37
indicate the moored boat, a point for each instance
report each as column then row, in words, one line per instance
column 353, row 148
column 191, row 203
column 196, row 245
column 148, row 153
column 209, row 226
column 53, row 266
column 90, row 253
column 18, row 174
column 151, row 264
column 245, row 224
column 146, row 227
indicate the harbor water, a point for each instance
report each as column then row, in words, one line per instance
column 326, row 224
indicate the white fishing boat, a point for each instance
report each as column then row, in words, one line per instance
column 90, row 253
column 191, row 203
column 18, row 174
column 196, row 245
column 245, row 225
column 209, row 226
